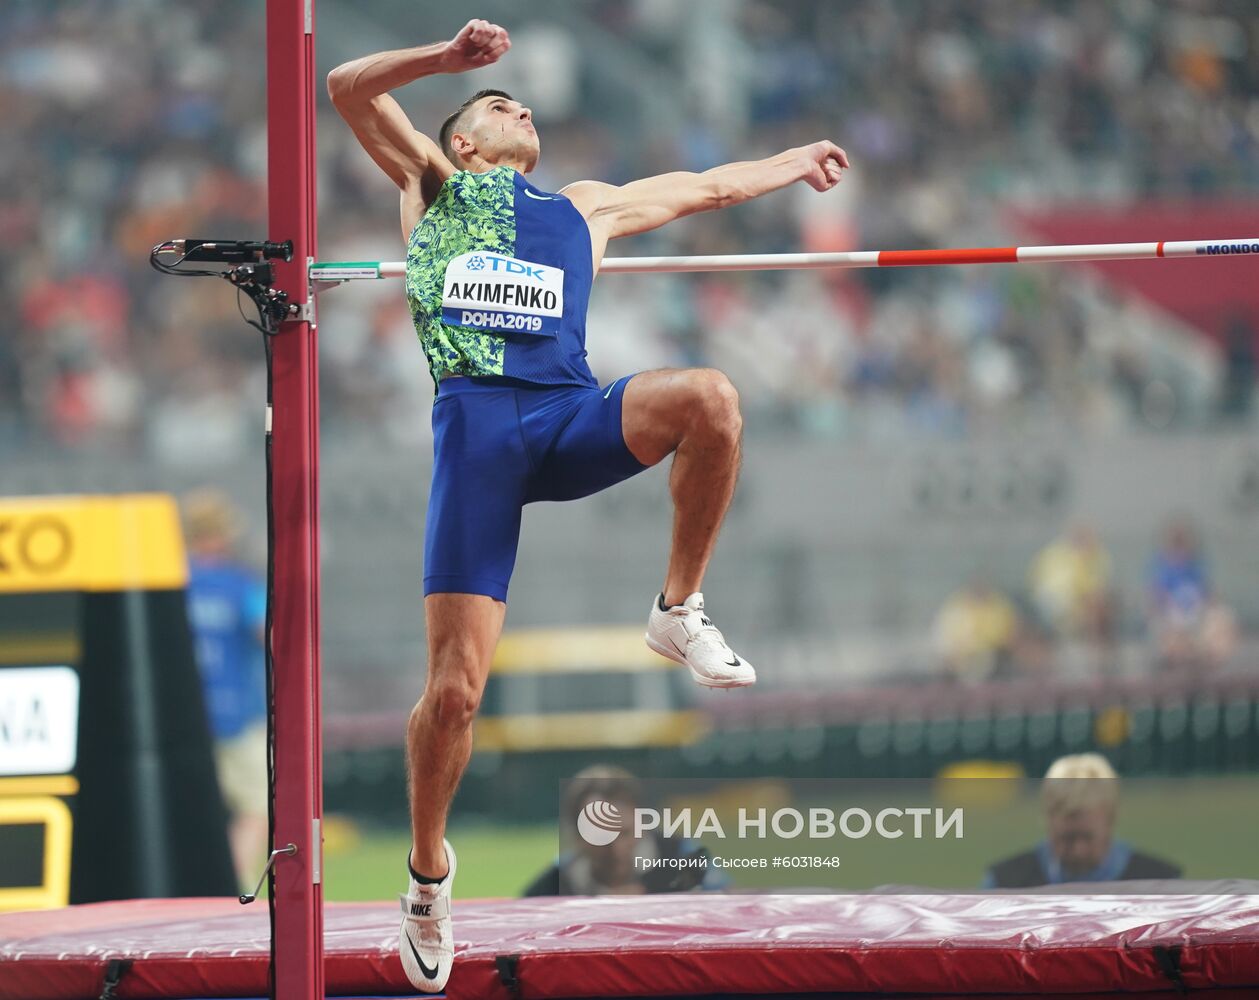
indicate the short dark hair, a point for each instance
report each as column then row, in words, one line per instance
column 601, row 782
column 451, row 124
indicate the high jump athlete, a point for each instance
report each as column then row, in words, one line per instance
column 498, row 277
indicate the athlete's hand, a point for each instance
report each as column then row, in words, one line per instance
column 479, row 43
column 824, row 164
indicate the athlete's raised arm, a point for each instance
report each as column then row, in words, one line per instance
column 360, row 92
column 647, row 204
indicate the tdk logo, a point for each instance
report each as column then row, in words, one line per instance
column 1218, row 248
column 505, row 265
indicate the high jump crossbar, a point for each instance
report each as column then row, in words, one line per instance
column 336, row 272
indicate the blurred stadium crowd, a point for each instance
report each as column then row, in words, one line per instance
column 1068, row 617
column 132, row 122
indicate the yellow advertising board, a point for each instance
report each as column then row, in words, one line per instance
column 90, row 543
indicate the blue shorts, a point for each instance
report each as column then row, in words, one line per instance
column 497, row 447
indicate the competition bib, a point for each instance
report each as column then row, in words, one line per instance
column 487, row 291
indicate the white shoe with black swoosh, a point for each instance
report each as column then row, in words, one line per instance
column 685, row 635
column 426, row 939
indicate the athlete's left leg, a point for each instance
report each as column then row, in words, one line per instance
column 692, row 413
column 616, row 433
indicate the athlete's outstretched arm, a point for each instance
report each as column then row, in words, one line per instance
column 360, row 92
column 649, row 203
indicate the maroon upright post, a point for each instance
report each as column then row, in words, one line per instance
column 295, row 502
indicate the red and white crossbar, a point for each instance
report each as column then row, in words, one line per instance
column 1203, row 249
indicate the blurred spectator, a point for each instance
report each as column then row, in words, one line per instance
column 1241, row 368
column 976, row 632
column 586, row 869
column 1080, row 797
column 1070, row 583
column 227, row 605
column 1191, row 627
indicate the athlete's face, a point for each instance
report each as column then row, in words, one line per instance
column 499, row 130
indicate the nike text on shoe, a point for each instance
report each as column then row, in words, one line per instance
column 426, row 940
column 684, row 634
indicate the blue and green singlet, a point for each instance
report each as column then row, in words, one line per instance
column 498, row 281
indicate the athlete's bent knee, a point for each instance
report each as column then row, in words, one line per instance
column 716, row 405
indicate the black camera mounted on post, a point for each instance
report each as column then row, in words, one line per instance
column 252, row 274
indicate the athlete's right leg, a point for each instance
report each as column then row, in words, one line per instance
column 480, row 475
column 463, row 630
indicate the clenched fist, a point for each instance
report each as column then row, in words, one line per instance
column 479, row 43
column 824, row 164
